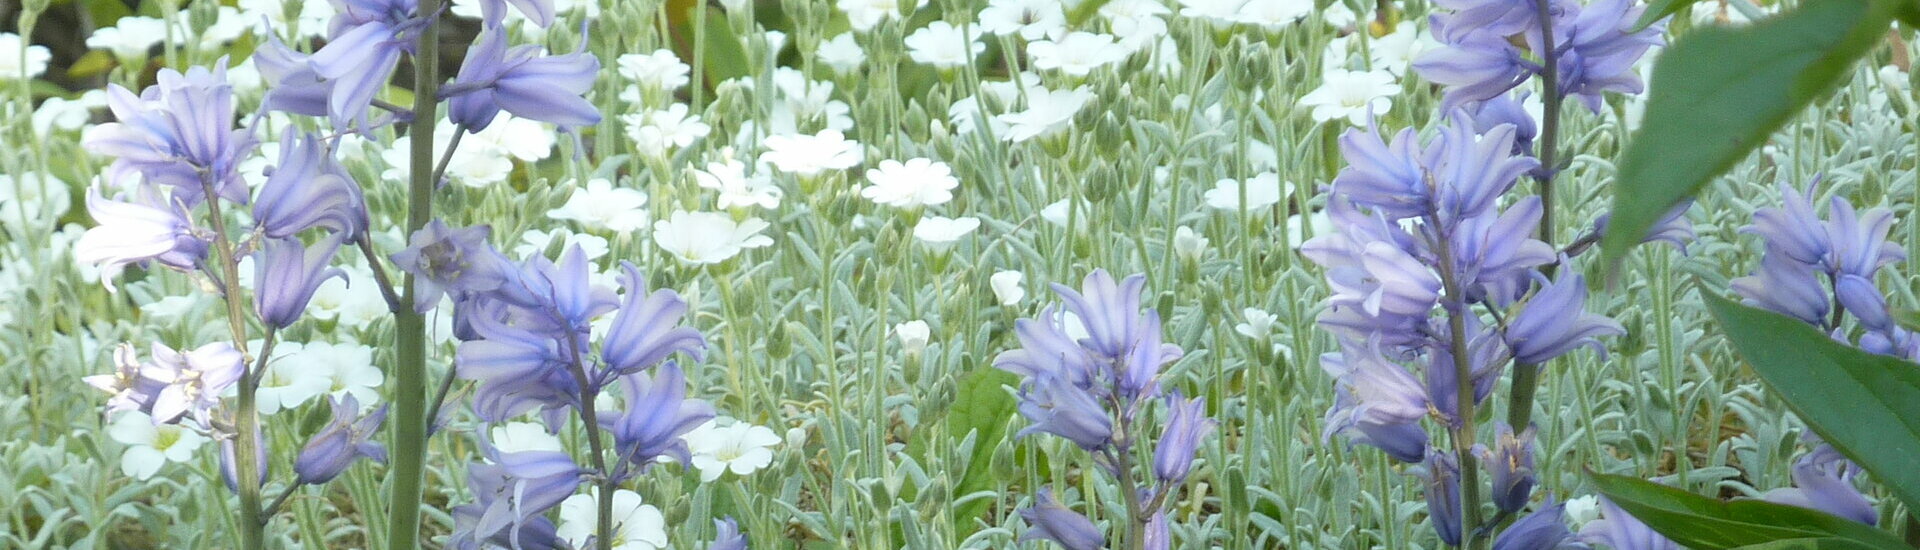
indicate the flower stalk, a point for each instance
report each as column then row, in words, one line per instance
column 410, row 353
column 245, row 419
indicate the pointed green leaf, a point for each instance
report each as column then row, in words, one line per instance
column 1866, row 405
column 1658, row 9
column 984, row 407
column 1719, row 92
column 1705, row 523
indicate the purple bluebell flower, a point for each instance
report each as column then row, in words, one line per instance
column 1056, row 406
column 1673, row 228
column 1159, row 535
column 1507, row 109
column 1863, row 300
column 727, row 535
column 175, row 133
column 1047, row 519
column 562, row 295
column 194, row 379
column 1186, row 425
column 1441, row 472
column 286, row 274
column 1509, row 467
column 521, row 81
column 1486, row 354
column 518, row 370
column 1597, row 49
column 1621, row 531
column 1823, row 480
column 658, row 413
column 309, row 189
column 1472, row 64
column 451, row 260
column 1555, row 322
column 149, row 228
column 294, row 86
column 540, row 12
column 1793, row 229
column 1495, row 255
column 129, row 389
column 1497, row 17
column 1784, row 285
column 1109, row 310
column 341, row 442
column 1470, row 170
column 532, row 533
column 1046, row 349
column 511, row 493
column 647, row 329
column 1544, row 529
column 1859, row 240
column 228, row 468
column 1376, row 403
column 1386, row 176
column 364, row 46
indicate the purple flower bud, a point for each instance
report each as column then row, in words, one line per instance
column 342, row 442
column 648, row 329
column 1544, row 529
column 148, row 228
column 229, row 474
column 1054, row 406
column 458, row 260
column 1509, row 467
column 728, row 535
column 1159, row 535
column 309, row 189
column 178, row 133
column 1554, row 322
column 1860, row 298
column 1787, row 286
column 1186, row 425
column 1823, row 480
column 521, row 81
column 1621, row 531
column 286, row 275
column 1506, row 109
column 1048, row 520
column 1442, row 474
column 658, row 413
column 194, row 380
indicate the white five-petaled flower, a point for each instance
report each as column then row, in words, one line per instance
column 939, row 233
column 1189, row 244
column 740, row 448
column 702, row 238
column 1030, row 19
column 286, row 384
column 659, row 71
column 1258, row 324
column 1047, row 112
column 10, row 55
column 737, row 189
column 913, row 336
column 1006, row 287
column 600, row 205
column 347, row 369
column 130, row 37
column 809, row 155
column 1352, row 95
column 538, row 241
column 1078, row 53
column 842, row 53
column 151, row 446
column 636, row 525
column 864, row 14
column 915, row 183
column 944, row 46
column 1273, row 14
column 518, row 437
column 1262, row 191
column 659, row 132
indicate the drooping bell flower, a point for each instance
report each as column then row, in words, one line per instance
column 539, row 12
column 1509, row 466
column 1544, row 529
column 129, row 389
column 1486, row 355
column 1507, row 109
column 445, row 260
column 728, row 535
column 521, row 81
column 309, row 189
column 147, row 228
column 293, row 86
column 342, row 442
column 194, row 380
column 532, row 533
column 1620, row 530
column 1598, row 48
column 1185, row 427
column 364, row 46
column 1119, row 332
column 1047, row 519
column 658, row 413
column 647, row 329
column 518, row 370
column 1793, row 229
column 1495, row 255
column 178, row 133
column 1376, row 403
column 562, row 296
column 1860, row 244
column 229, row 471
column 1555, row 321
column 1473, row 64
column 1159, row 535
column 1497, row 17
column 1471, row 170
column 1823, row 480
column 1441, row 472
column 286, row 274
column 1787, row 286
column 1384, row 176
column 512, row 492
column 1053, row 406
column 1046, row 349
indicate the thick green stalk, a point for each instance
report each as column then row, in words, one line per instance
column 246, row 423
column 1550, row 115
column 410, row 329
column 1526, row 379
column 1463, row 433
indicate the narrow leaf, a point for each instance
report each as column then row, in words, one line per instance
column 1705, row 523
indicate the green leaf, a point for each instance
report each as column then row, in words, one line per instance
column 1719, row 92
column 1705, row 523
column 93, row 63
column 983, row 407
column 1824, row 543
column 1866, row 405
column 1658, row 9
column 723, row 56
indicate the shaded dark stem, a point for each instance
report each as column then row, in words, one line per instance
column 380, row 278
column 1550, row 123
column 410, row 330
column 603, row 530
column 1463, row 427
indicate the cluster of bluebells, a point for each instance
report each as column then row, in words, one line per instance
column 1421, row 248
column 1091, row 373
column 1821, row 273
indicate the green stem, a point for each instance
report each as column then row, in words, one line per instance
column 410, row 329
column 1463, row 430
column 1526, row 379
column 1550, row 123
column 246, row 423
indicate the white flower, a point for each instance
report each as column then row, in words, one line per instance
column 600, row 205
column 1339, row 15
column 1048, row 111
column 913, row 336
column 737, row 189
column 473, row 165
column 535, row 242
column 10, row 67
column 346, row 367
column 148, row 446
column 526, row 139
column 1006, row 287
column 913, row 184
column 1216, row 11
column 842, row 53
column 966, row 112
column 353, row 305
column 1273, row 14
column 1258, row 324
column 636, row 526
column 808, row 155
column 1139, row 33
column 1189, row 244
column 171, row 308
column 942, row 45
column 1353, row 95
column 1133, row 9
column 939, row 233
column 519, row 437
column 801, row 102
column 311, row 21
column 1581, row 511
column 289, row 384
column 659, row 132
column 66, row 114
column 1396, row 51
column 130, row 38
column 32, row 201
column 1060, row 213
column 864, row 14
column 1078, row 53
column 702, row 238
column 658, row 71
column 228, row 25
column 1031, row 19
column 1262, row 191
column 741, row 448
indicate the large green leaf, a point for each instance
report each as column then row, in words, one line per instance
column 1705, row 523
column 1824, row 543
column 982, row 407
column 1658, row 9
column 1719, row 92
column 1866, row 405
